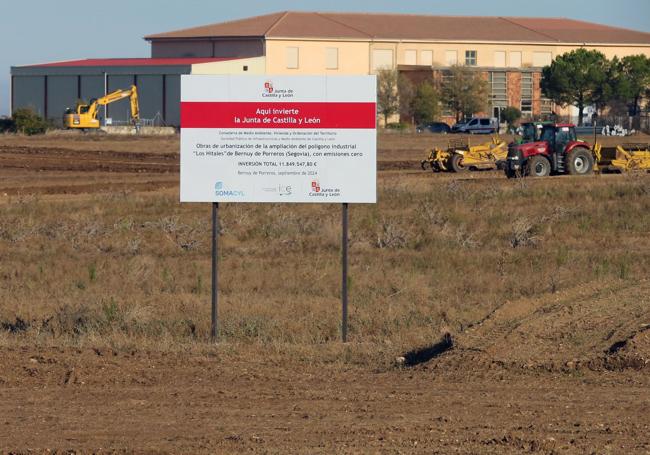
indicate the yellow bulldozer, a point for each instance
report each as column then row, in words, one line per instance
column 85, row 115
column 461, row 156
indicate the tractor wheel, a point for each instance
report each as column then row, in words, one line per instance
column 580, row 162
column 456, row 163
column 512, row 174
column 538, row 166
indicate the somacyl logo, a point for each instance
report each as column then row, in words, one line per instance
column 268, row 87
column 220, row 191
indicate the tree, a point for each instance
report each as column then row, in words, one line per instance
column 510, row 115
column 406, row 95
column 632, row 80
column 426, row 103
column 576, row 78
column 387, row 93
column 464, row 91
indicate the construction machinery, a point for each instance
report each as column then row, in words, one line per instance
column 530, row 132
column 461, row 156
column 559, row 151
column 623, row 157
column 85, row 115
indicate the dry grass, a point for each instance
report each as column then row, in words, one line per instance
column 126, row 269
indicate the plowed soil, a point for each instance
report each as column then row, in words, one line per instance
column 564, row 373
column 99, row 401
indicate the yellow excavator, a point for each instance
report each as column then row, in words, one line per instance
column 85, row 115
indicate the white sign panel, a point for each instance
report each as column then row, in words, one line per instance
column 278, row 139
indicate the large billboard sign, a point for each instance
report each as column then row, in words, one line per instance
column 278, row 139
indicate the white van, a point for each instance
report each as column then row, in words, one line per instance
column 479, row 125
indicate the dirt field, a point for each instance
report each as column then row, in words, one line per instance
column 486, row 315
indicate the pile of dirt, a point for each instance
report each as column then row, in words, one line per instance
column 596, row 326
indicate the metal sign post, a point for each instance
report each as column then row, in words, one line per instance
column 344, row 274
column 215, row 269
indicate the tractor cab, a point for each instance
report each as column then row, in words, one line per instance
column 530, row 132
column 558, row 136
column 557, row 150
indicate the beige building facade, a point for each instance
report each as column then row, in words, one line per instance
column 509, row 53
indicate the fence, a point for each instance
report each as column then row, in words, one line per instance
column 637, row 123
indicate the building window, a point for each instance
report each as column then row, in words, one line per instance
column 445, row 78
column 515, row 59
column 546, row 106
column 527, row 94
column 292, row 57
column 470, row 58
column 541, row 59
column 382, row 59
column 451, row 58
column 498, row 89
column 332, row 58
column 426, row 58
column 410, row 57
column 500, row 59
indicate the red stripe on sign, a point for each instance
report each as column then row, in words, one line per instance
column 277, row 115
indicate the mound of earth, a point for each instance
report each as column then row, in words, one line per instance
column 595, row 325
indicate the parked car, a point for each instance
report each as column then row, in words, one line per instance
column 477, row 125
column 434, row 127
column 455, row 128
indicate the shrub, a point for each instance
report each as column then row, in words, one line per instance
column 7, row 125
column 28, row 122
column 510, row 115
column 397, row 126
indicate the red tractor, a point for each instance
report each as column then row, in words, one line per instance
column 557, row 151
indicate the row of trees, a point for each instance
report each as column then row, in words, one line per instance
column 581, row 78
column 463, row 91
column 586, row 77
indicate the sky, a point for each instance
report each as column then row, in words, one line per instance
column 36, row 31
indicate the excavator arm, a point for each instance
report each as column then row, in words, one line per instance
column 117, row 95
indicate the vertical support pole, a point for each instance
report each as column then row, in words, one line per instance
column 215, row 263
column 105, row 93
column 45, row 100
column 344, row 274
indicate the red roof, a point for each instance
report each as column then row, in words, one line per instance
column 377, row 26
column 135, row 62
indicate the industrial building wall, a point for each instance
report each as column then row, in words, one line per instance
column 150, row 89
column 29, row 92
column 197, row 48
column 62, row 92
column 173, row 99
column 49, row 95
column 91, row 87
column 119, row 111
column 173, row 49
